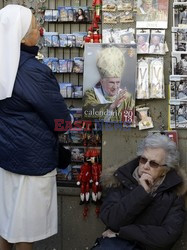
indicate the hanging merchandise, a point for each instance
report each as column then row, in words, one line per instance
column 89, row 180
column 152, row 14
column 145, row 121
column 180, row 15
column 143, row 79
column 179, row 64
column 84, row 179
column 157, row 45
column 179, row 40
column 157, row 78
column 127, row 36
column 178, row 89
column 93, row 35
column 142, row 38
column 109, row 95
column 97, row 4
column 178, row 115
column 150, row 82
column 109, row 5
column 112, row 35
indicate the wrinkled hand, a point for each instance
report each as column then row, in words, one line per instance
column 108, row 233
column 146, row 181
column 119, row 99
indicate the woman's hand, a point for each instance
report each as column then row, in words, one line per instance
column 109, row 233
column 146, row 181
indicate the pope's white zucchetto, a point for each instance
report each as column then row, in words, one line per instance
column 15, row 21
column 111, row 62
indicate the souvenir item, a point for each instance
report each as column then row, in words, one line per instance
column 179, row 40
column 109, row 5
column 143, row 79
column 71, row 40
column 52, row 63
column 179, row 64
column 124, row 5
column 79, row 38
column 180, row 15
column 126, row 17
column 142, row 39
column 76, row 112
column 63, row 65
column 178, row 115
column 145, row 120
column 83, row 181
column 63, row 40
column 64, row 174
column 97, row 4
column 152, row 14
column 81, row 14
column 178, row 89
column 51, row 39
column 63, row 14
column 66, row 89
column 77, row 154
column 77, row 91
column 78, row 65
column 157, row 45
column 109, row 95
column 51, row 15
column 70, row 65
column 157, row 78
column 109, row 17
column 127, row 36
column 111, row 36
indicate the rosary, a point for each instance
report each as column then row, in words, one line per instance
column 143, row 83
column 156, row 78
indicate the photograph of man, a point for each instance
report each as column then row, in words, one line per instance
column 142, row 43
column 152, row 13
column 145, row 7
column 183, row 16
column 109, row 98
column 157, row 44
column 182, row 65
column 182, row 90
column 179, row 37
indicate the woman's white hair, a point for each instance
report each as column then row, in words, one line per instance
column 164, row 142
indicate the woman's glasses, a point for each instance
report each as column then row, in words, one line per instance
column 152, row 164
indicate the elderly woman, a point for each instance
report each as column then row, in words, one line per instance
column 146, row 210
column 30, row 100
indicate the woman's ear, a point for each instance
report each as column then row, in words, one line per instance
column 23, row 40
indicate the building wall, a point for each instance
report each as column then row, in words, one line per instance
column 78, row 233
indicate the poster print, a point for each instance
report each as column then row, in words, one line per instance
column 109, row 82
column 179, row 64
column 152, row 14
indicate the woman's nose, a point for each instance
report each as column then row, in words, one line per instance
column 146, row 165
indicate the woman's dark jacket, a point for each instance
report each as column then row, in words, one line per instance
column 153, row 220
column 28, row 143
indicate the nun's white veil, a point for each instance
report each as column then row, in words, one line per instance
column 15, row 21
